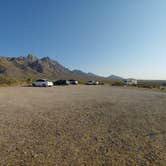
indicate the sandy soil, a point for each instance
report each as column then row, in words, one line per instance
column 82, row 125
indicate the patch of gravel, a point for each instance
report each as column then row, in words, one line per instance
column 82, row 125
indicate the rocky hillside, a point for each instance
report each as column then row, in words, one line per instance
column 32, row 67
column 87, row 75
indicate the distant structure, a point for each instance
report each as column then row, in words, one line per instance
column 131, row 81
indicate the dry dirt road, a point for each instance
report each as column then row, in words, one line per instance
column 82, row 126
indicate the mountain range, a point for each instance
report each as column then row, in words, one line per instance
column 32, row 67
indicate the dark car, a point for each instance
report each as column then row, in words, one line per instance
column 62, row 82
column 73, row 82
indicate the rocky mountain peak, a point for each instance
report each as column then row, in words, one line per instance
column 31, row 57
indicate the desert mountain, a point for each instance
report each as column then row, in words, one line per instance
column 114, row 77
column 31, row 66
column 84, row 74
column 111, row 77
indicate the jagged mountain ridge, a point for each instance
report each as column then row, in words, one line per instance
column 31, row 66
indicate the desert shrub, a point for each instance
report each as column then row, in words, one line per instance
column 101, row 83
column 162, row 88
column 7, row 81
column 81, row 81
column 117, row 83
column 145, row 86
column 151, row 84
column 29, row 80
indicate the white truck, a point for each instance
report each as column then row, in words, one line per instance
column 42, row 83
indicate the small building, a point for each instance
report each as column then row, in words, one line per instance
column 131, row 81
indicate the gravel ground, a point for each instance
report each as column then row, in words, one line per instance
column 82, row 126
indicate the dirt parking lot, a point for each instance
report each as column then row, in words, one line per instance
column 82, row 126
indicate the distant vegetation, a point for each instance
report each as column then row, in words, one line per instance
column 151, row 83
column 117, row 83
column 7, row 81
column 148, row 84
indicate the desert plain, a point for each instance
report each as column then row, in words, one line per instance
column 82, row 126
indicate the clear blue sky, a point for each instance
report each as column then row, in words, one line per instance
column 122, row 37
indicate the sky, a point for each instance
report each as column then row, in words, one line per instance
column 121, row 37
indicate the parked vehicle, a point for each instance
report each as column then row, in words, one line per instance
column 131, row 81
column 42, row 83
column 62, row 82
column 73, row 82
column 92, row 83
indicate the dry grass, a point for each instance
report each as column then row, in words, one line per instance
column 82, row 125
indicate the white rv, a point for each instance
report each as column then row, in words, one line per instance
column 131, row 82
